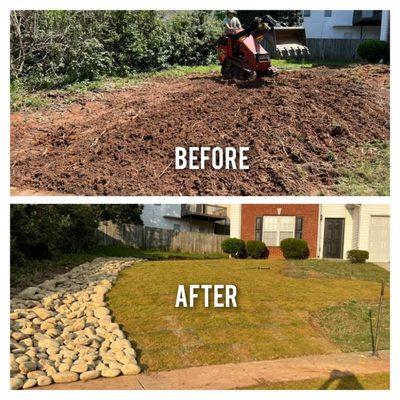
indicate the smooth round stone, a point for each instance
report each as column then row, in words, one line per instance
column 65, row 377
column 80, row 368
column 16, row 383
column 130, row 369
column 44, row 380
column 110, row 373
column 86, row 376
column 29, row 383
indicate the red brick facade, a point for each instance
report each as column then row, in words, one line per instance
column 309, row 213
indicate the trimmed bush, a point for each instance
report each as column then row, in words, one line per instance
column 256, row 249
column 296, row 249
column 235, row 247
column 357, row 256
column 374, row 50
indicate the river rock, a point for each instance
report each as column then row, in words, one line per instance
column 35, row 374
column 63, row 329
column 29, row 293
column 44, row 380
column 130, row 369
column 100, row 312
column 85, row 376
column 27, row 366
column 80, row 368
column 29, row 383
column 42, row 313
column 16, row 383
column 65, row 377
column 110, row 373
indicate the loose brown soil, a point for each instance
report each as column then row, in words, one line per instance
column 302, row 127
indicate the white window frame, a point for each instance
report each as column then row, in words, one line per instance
column 279, row 218
column 327, row 13
column 306, row 13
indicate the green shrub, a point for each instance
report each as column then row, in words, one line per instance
column 374, row 50
column 194, row 35
column 47, row 53
column 235, row 247
column 256, row 249
column 357, row 256
column 296, row 249
column 88, row 61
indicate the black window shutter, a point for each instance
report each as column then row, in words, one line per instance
column 299, row 228
column 258, row 232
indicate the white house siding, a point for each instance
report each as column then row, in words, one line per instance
column 236, row 220
column 366, row 212
column 165, row 216
column 357, row 224
column 338, row 26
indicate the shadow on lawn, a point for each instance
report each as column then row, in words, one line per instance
column 346, row 380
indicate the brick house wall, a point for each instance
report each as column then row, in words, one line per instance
column 309, row 213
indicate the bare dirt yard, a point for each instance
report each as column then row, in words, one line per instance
column 303, row 128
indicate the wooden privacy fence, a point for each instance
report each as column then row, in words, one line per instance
column 329, row 49
column 144, row 237
column 334, row 49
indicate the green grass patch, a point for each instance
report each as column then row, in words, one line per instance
column 36, row 271
column 273, row 319
column 23, row 99
column 319, row 269
column 352, row 325
column 20, row 98
column 371, row 174
column 379, row 381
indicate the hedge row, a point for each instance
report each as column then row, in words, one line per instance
column 291, row 248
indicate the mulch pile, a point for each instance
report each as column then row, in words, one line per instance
column 302, row 127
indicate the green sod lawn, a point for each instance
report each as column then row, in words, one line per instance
column 352, row 382
column 323, row 307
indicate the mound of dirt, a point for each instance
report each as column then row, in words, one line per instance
column 300, row 127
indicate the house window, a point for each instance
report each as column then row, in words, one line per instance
column 277, row 228
column 307, row 13
column 367, row 13
column 177, row 228
column 328, row 13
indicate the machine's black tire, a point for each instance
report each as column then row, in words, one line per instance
column 241, row 76
column 226, row 70
column 236, row 72
column 250, row 75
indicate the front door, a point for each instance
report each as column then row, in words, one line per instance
column 333, row 237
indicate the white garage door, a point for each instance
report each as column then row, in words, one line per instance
column 379, row 239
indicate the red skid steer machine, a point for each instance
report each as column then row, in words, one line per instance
column 244, row 58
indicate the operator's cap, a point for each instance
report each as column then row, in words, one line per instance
column 231, row 12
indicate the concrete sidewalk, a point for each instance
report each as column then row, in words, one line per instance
column 232, row 376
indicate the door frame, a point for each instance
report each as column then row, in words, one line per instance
column 343, row 221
